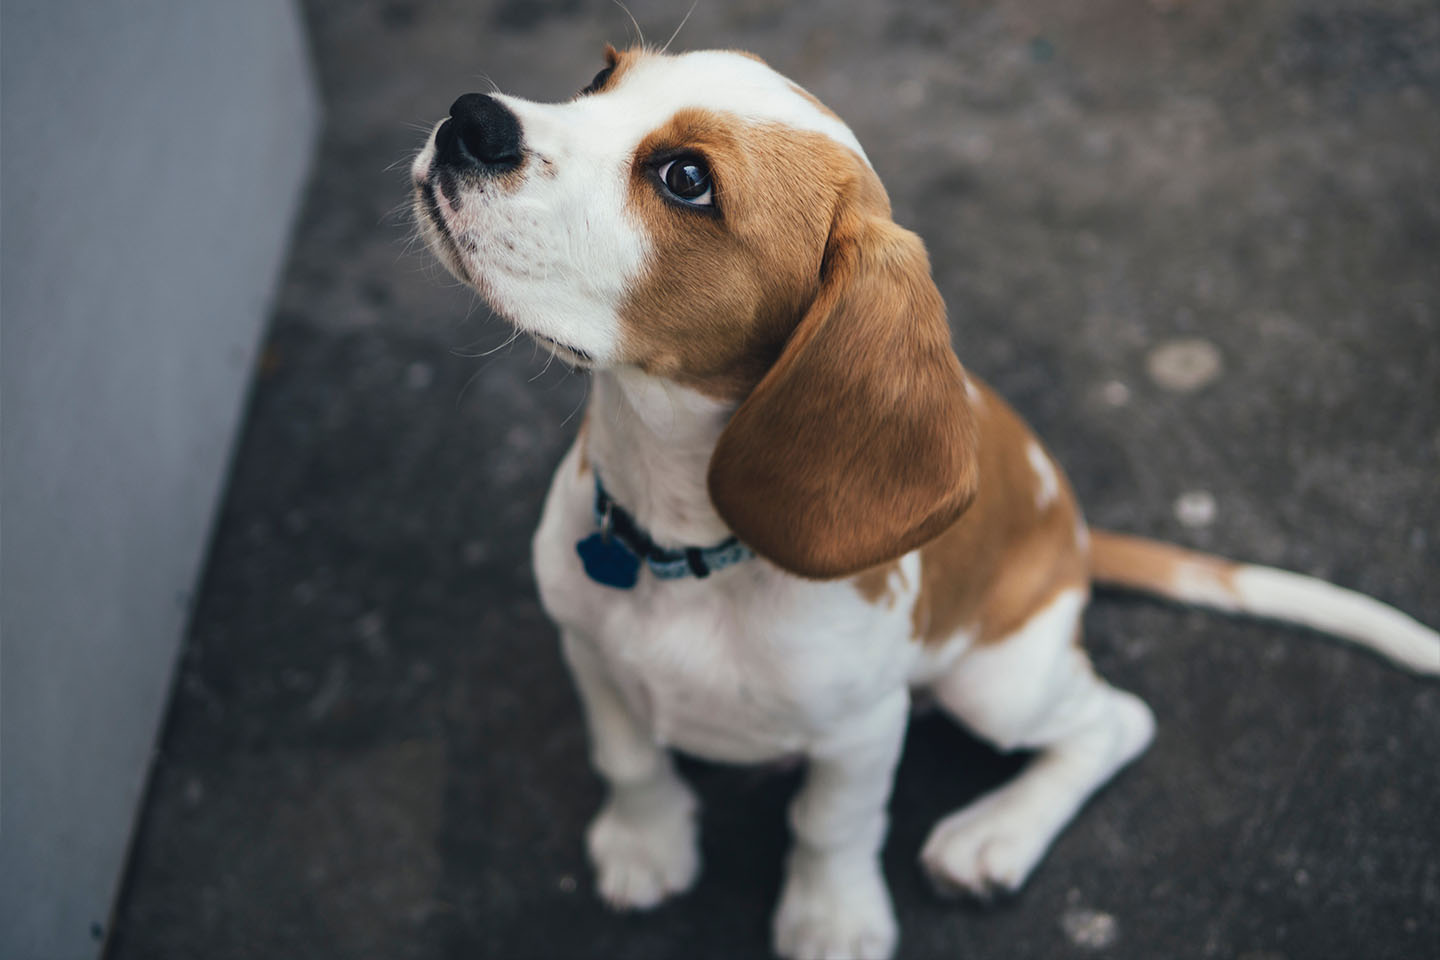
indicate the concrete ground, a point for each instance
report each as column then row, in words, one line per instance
column 1195, row 243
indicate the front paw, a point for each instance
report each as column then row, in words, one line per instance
column 984, row 850
column 641, row 860
column 830, row 911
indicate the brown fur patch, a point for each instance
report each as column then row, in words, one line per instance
column 1005, row 557
column 1135, row 563
column 858, row 445
column 725, row 289
column 798, row 294
column 877, row 585
column 617, row 63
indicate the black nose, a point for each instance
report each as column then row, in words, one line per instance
column 480, row 134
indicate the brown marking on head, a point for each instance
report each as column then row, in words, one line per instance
column 1006, row 557
column 798, row 295
column 726, row 286
column 616, row 63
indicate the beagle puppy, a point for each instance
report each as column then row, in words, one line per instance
column 789, row 507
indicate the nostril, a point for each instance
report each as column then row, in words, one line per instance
column 482, row 132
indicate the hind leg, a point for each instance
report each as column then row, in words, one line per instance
column 1034, row 689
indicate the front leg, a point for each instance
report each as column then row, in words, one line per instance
column 642, row 842
column 835, row 903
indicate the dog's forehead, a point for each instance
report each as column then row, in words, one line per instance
column 732, row 83
column 653, row 87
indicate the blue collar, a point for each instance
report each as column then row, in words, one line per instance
column 612, row 556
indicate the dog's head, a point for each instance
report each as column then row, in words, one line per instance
column 705, row 220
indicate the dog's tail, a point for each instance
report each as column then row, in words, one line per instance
column 1202, row 580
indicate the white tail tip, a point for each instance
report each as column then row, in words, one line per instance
column 1267, row 592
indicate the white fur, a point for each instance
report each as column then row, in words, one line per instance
column 1296, row 598
column 663, row 434
column 973, row 394
column 1032, row 689
column 749, row 664
column 643, row 841
column 1267, row 592
column 1048, row 489
column 555, row 253
column 1202, row 586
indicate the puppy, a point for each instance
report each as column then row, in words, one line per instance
column 789, row 506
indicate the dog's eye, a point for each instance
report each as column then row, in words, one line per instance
column 688, row 179
column 599, row 81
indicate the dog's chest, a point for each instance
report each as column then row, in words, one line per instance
column 746, row 665
column 745, row 670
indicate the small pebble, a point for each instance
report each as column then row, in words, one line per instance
column 1115, row 393
column 1195, row 508
column 1184, row 366
column 1089, row 929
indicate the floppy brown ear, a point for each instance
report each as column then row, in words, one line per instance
column 859, row 444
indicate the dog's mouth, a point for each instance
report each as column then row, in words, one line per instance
column 449, row 250
column 450, row 247
column 573, row 356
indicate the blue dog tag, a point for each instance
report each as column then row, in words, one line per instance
column 608, row 561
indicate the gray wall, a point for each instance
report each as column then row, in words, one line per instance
column 153, row 152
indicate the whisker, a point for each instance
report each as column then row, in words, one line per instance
column 548, row 360
column 472, row 378
column 584, row 396
column 514, row 335
column 640, row 34
column 679, row 28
